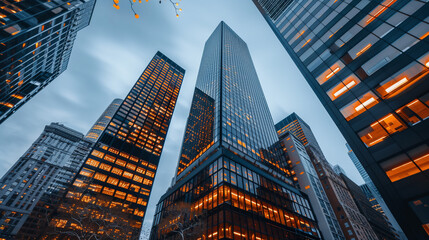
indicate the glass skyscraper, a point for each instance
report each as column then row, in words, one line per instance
column 109, row 195
column 230, row 178
column 32, row 187
column 103, row 121
column 367, row 61
column 36, row 38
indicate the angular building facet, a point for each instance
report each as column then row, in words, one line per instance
column 109, row 196
column 103, row 121
column 310, row 184
column 352, row 222
column 231, row 181
column 36, row 42
column 32, row 187
column 367, row 61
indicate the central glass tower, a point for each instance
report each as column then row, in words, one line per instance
column 231, row 181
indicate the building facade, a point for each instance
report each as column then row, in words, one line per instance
column 231, row 181
column 373, row 195
column 103, row 121
column 367, row 61
column 36, row 42
column 109, row 195
column 352, row 222
column 38, row 179
column 310, row 184
column 377, row 221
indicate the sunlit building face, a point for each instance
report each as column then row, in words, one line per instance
column 367, row 61
column 37, row 38
column 119, row 172
column 230, row 177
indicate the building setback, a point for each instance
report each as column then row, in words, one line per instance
column 103, row 121
column 310, row 184
column 367, row 61
column 39, row 179
column 231, row 179
column 109, row 195
column 352, row 222
column 36, row 42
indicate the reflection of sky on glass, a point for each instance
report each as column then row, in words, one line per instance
column 110, row 54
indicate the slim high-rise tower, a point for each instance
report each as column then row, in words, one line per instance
column 103, row 121
column 36, row 42
column 368, row 63
column 109, row 195
column 231, row 183
column 34, row 184
column 352, row 222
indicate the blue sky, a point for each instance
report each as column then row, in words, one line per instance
column 110, row 54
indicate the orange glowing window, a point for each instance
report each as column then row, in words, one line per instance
column 113, row 150
column 131, row 166
column 147, row 182
column 117, row 171
column 97, row 153
column 343, row 87
column 138, row 179
column 399, row 168
column 95, row 187
column 328, row 74
column 86, row 172
column 134, row 188
column 131, row 198
column 17, row 96
column 128, row 175
column 38, row 44
column 153, row 166
column 402, row 81
column 364, row 49
column 124, row 184
column 414, row 112
column 150, row 174
column 381, row 129
column 113, row 181
column 121, row 163
column 92, row 162
column 358, row 106
column 140, row 170
column 100, row 177
column 306, row 43
column 109, row 158
column 132, row 158
column 108, row 191
column 378, row 11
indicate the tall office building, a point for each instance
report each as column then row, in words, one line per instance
column 378, row 199
column 103, row 121
column 230, row 178
column 377, row 221
column 35, row 183
column 338, row 169
column 310, row 184
column 36, row 42
column 352, row 222
column 367, row 61
column 110, row 194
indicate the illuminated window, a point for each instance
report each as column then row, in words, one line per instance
column 377, row 12
column 147, row 182
column 399, row 167
column 131, row 198
column 379, row 130
column 95, row 187
column 343, row 87
column 414, row 112
column 131, row 166
column 108, row 191
column 140, row 170
column 121, row 163
column 358, row 106
column 124, row 184
column 117, row 171
column 113, row 181
column 150, row 174
column 109, row 158
column 398, row 83
column 328, row 74
column 105, row 167
column 97, row 153
column 100, row 177
column 138, row 179
column 86, row 172
column 120, row 194
column 128, row 175
column 153, row 166
column 92, row 162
